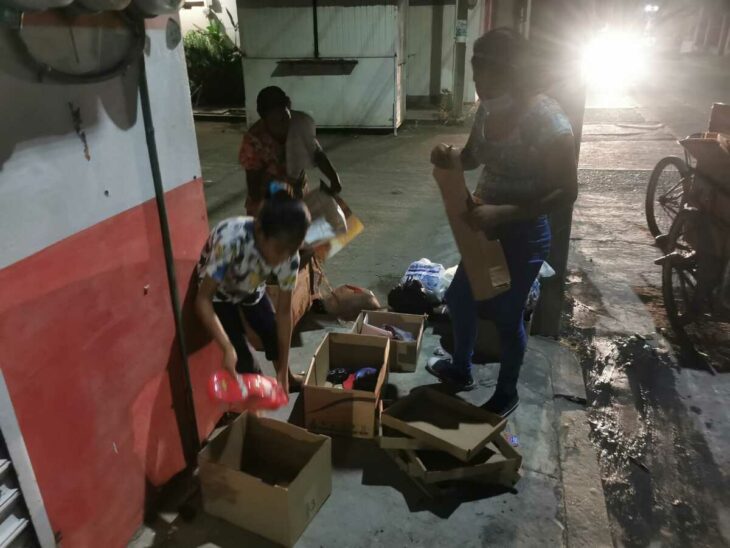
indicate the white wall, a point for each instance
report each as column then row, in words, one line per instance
column 276, row 32
column 369, row 34
column 420, row 37
column 49, row 190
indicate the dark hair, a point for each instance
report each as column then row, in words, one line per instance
column 506, row 54
column 284, row 218
column 270, row 98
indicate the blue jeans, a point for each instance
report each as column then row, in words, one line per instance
column 526, row 245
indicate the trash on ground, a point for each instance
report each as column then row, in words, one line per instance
column 410, row 297
column 347, row 301
column 431, row 276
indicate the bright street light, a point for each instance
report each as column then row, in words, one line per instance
column 614, row 60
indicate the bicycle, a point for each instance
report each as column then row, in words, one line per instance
column 665, row 193
column 696, row 264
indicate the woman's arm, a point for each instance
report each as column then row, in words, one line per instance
column 450, row 157
column 284, row 325
column 326, row 167
column 207, row 315
column 559, row 171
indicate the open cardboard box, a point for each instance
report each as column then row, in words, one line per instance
column 266, row 476
column 345, row 412
column 498, row 463
column 403, row 356
column 444, row 423
column 392, row 439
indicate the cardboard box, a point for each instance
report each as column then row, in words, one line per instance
column 483, row 259
column 498, row 463
column 345, row 412
column 445, row 423
column 403, row 356
column 392, row 439
column 266, row 476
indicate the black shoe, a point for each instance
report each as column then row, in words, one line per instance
column 443, row 370
column 502, row 404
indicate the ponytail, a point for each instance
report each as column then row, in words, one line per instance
column 283, row 217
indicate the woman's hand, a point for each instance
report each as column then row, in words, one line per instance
column 230, row 359
column 445, row 157
column 484, row 217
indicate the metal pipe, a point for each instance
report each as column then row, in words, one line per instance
column 460, row 35
column 315, row 23
column 188, row 429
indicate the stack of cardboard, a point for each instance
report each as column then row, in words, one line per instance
column 436, row 438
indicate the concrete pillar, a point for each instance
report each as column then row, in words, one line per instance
column 558, row 29
column 462, row 25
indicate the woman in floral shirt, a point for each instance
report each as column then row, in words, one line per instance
column 281, row 146
column 239, row 256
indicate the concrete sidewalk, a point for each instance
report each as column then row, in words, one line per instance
column 658, row 414
column 389, row 186
column 558, row 501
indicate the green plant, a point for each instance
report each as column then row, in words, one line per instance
column 214, row 66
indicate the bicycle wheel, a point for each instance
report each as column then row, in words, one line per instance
column 665, row 194
column 679, row 278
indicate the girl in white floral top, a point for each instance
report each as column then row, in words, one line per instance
column 238, row 258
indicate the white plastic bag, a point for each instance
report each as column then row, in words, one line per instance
column 429, row 274
column 446, row 278
column 546, row 271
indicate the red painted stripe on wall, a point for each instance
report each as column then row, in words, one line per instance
column 86, row 362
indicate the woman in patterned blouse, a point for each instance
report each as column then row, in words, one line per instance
column 525, row 142
column 281, row 146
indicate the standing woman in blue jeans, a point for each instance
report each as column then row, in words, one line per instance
column 525, row 142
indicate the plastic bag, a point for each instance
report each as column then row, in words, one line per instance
column 251, row 390
column 533, row 296
column 546, row 271
column 429, row 274
column 446, row 278
column 410, row 297
column 347, row 301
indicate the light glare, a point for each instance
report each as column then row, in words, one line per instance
column 614, row 60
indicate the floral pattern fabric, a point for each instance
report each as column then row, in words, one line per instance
column 230, row 257
column 512, row 165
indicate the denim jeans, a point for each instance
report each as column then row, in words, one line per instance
column 526, row 246
column 261, row 318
